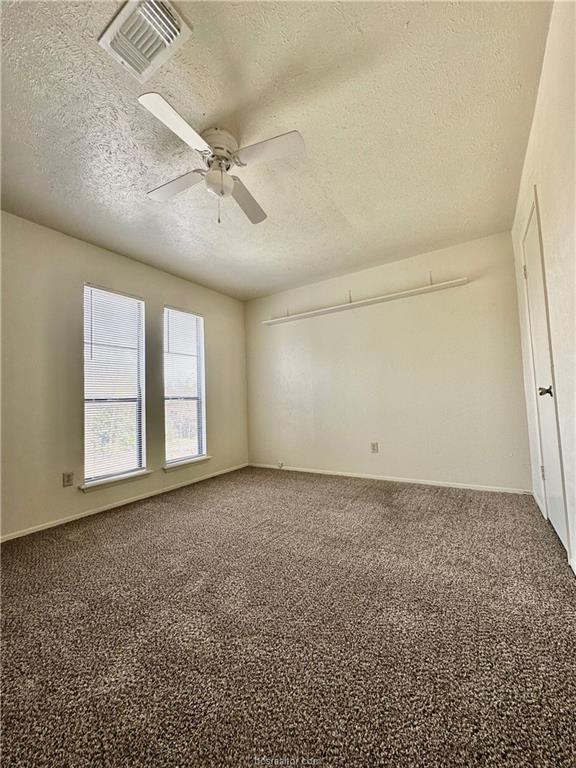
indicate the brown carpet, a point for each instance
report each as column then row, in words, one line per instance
column 276, row 619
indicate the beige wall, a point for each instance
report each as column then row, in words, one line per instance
column 435, row 379
column 550, row 165
column 43, row 276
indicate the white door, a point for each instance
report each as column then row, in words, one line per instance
column 544, row 377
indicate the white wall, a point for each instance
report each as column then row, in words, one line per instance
column 43, row 276
column 550, row 165
column 435, row 379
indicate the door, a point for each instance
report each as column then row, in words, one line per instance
column 544, row 376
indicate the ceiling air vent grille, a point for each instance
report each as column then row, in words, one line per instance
column 143, row 35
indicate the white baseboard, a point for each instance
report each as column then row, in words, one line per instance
column 140, row 497
column 573, row 565
column 116, row 504
column 541, row 506
column 414, row 481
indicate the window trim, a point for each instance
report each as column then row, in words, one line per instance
column 178, row 463
column 93, row 484
column 201, row 356
column 104, row 482
column 126, row 294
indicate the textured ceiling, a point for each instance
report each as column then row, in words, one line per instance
column 415, row 116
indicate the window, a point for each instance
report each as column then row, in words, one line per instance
column 114, row 431
column 184, row 385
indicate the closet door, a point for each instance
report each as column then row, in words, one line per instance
column 544, row 377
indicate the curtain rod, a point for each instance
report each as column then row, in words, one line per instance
column 287, row 318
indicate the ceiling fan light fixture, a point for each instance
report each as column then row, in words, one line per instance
column 218, row 182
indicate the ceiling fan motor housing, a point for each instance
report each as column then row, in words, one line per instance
column 224, row 145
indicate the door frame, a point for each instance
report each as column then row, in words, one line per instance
column 542, row 503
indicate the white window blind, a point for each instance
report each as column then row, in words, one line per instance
column 184, row 385
column 114, row 431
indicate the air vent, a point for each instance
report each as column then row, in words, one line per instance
column 143, row 35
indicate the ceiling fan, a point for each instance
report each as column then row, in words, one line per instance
column 219, row 151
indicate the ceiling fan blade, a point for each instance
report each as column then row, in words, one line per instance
column 174, row 187
column 247, row 202
column 286, row 144
column 161, row 110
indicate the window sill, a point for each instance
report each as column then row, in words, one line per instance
column 185, row 463
column 94, row 485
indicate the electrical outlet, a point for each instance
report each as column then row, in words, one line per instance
column 374, row 448
column 67, row 479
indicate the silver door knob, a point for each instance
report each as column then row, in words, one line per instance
column 545, row 391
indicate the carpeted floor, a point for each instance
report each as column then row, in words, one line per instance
column 273, row 618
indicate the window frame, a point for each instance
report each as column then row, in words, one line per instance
column 201, row 387
column 140, row 400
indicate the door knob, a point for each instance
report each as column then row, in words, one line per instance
column 545, row 391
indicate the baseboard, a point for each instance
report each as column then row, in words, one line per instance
column 175, row 486
column 541, row 506
column 573, row 565
column 411, row 480
column 116, row 504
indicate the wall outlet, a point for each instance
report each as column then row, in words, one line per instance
column 374, row 448
column 67, row 479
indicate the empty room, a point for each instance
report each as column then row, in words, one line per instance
column 288, row 320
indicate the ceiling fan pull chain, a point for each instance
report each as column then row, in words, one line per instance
column 221, row 193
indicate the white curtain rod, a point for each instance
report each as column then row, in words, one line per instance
column 287, row 318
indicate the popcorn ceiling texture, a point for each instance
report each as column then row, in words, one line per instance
column 267, row 614
column 415, row 115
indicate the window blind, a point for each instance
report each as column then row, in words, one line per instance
column 183, row 385
column 114, row 430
